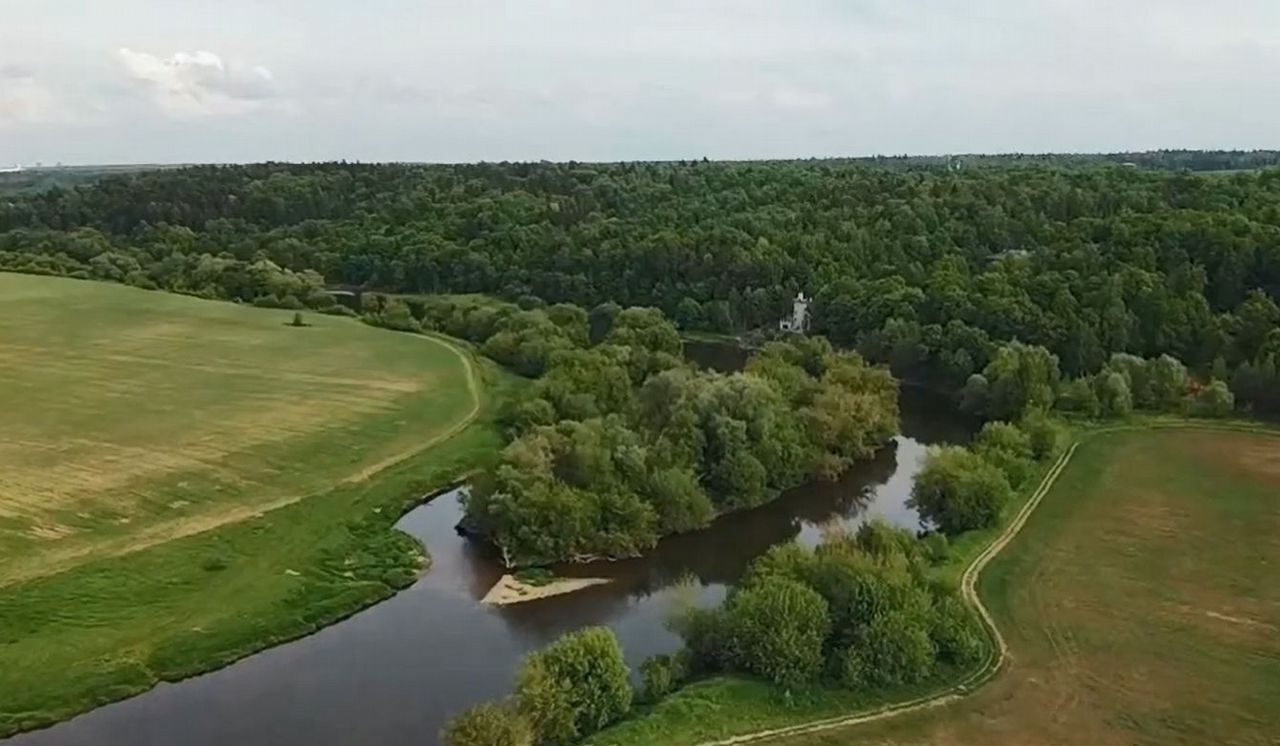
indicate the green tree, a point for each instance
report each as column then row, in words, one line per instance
column 660, row 675
column 778, row 629
column 958, row 490
column 1214, row 400
column 574, row 687
column 1022, row 378
column 1008, row 447
column 894, row 649
column 487, row 724
column 1114, row 398
column 1044, row 434
column 1167, row 382
column 955, row 633
column 1078, row 397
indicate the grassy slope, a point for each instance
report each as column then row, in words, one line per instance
column 722, row 707
column 135, row 417
column 113, row 625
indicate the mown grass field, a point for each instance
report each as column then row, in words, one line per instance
column 1141, row 604
column 183, row 482
column 134, row 417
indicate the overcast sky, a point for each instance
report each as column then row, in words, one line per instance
column 246, row 80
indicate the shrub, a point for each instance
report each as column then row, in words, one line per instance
column 1007, row 447
column 955, row 632
column 1214, row 400
column 1166, row 383
column 1078, row 397
column 1044, row 434
column 1114, row 396
column 707, row 638
column 660, row 675
column 487, row 725
column 574, row 687
column 959, row 491
column 395, row 315
column 778, row 629
column 893, row 649
column 936, row 547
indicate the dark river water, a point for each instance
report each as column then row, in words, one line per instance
column 394, row 673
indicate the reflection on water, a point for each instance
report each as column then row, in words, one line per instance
column 394, row 673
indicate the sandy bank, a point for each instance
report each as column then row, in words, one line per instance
column 509, row 590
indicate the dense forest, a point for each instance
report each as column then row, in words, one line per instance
column 927, row 267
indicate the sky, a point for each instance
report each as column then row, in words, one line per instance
column 175, row 81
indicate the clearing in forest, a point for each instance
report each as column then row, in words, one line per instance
column 1140, row 604
column 132, row 417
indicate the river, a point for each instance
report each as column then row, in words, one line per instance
column 394, row 673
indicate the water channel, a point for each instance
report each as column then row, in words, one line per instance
column 394, row 673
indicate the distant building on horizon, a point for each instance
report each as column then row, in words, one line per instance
column 798, row 321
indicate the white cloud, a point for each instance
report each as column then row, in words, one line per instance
column 200, row 83
column 24, row 100
column 617, row 79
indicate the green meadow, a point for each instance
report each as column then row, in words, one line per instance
column 183, row 481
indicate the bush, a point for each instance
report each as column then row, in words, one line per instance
column 660, row 675
column 395, row 315
column 707, row 638
column 893, row 649
column 214, row 563
column 1166, row 383
column 959, row 491
column 487, row 725
column 1007, row 447
column 1214, row 400
column 1043, row 433
column 936, row 547
column 1078, row 397
column 574, row 687
column 955, row 632
column 778, row 628
column 1115, row 399
column 338, row 310
column 535, row 576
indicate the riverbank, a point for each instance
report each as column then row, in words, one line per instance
column 511, row 590
column 112, row 628
column 731, row 710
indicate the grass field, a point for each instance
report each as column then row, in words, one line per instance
column 133, row 417
column 1141, row 604
column 183, row 482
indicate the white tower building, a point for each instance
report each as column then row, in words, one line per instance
column 799, row 320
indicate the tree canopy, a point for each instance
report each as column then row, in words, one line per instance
column 915, row 262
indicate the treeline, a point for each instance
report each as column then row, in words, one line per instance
column 966, row 488
column 620, row 442
column 1160, row 160
column 930, row 269
column 1026, row 380
column 84, row 255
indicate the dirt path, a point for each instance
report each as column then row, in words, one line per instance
column 472, row 388
column 969, row 589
